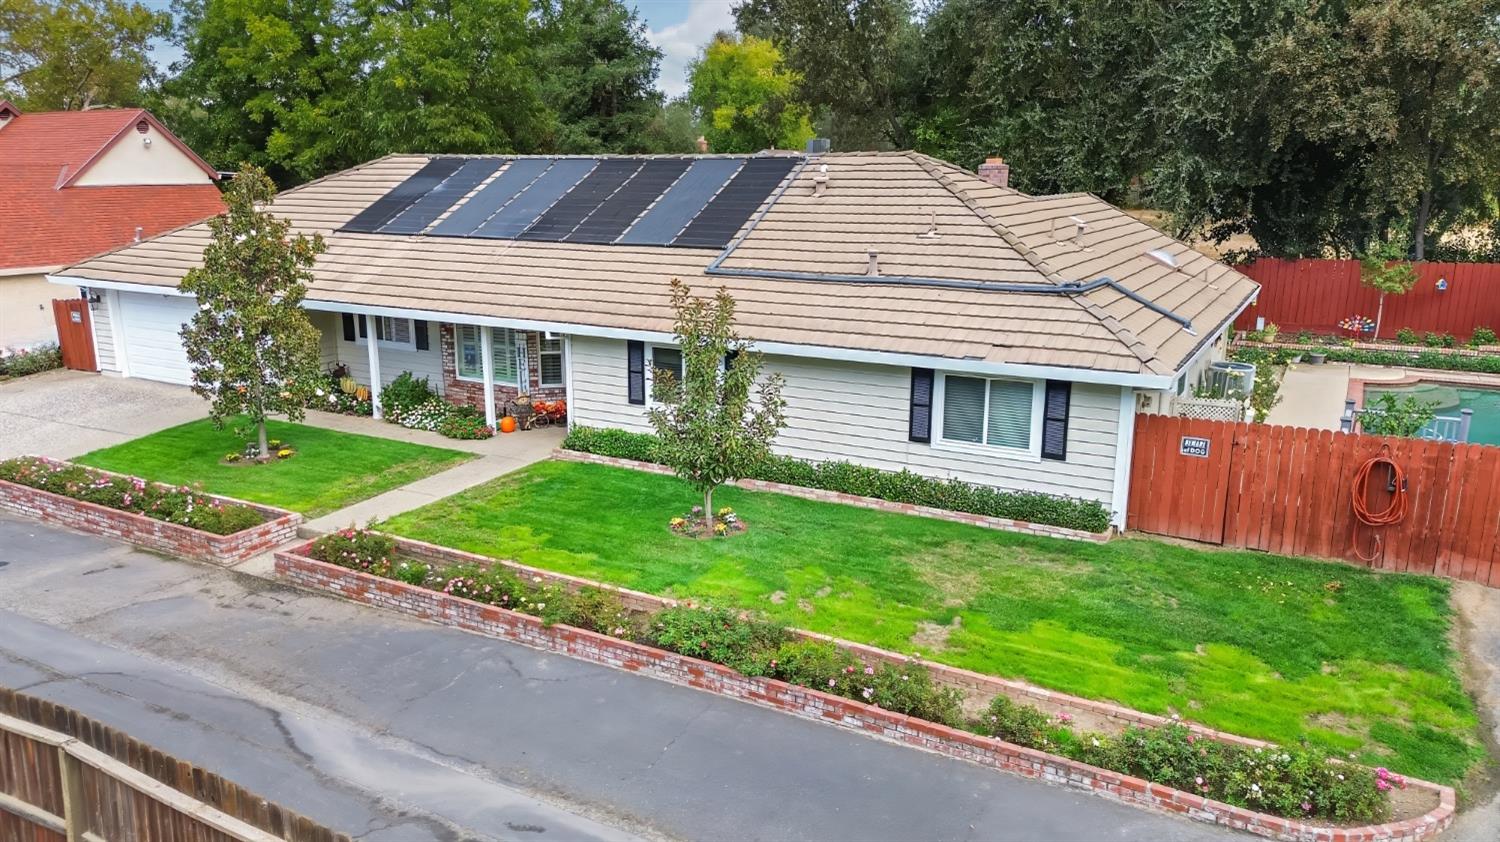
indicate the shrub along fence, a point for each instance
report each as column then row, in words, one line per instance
column 1313, row 295
column 64, row 776
column 1292, row 490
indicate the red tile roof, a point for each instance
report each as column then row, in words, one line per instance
column 44, row 222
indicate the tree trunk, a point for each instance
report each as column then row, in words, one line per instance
column 1419, row 226
column 708, row 509
column 265, row 450
column 1379, row 313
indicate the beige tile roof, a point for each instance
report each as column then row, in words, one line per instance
column 873, row 201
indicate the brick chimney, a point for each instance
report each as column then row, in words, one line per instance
column 702, row 144
column 995, row 171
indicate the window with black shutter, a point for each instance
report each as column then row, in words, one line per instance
column 348, row 320
column 419, row 330
column 920, row 421
column 1055, row 419
column 635, row 370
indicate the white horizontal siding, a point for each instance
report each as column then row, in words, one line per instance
column 393, row 361
column 104, row 331
column 858, row 412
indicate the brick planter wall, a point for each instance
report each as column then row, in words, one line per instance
column 812, row 704
column 173, row 539
column 854, row 500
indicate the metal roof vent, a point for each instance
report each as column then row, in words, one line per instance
column 139, row 232
column 1164, row 257
column 1080, row 228
column 820, row 181
column 931, row 233
column 872, row 269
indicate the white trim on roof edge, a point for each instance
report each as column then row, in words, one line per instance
column 1077, row 375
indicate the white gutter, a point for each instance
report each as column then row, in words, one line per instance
column 823, row 352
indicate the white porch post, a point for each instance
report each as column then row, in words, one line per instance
column 487, row 360
column 568, row 376
column 372, row 347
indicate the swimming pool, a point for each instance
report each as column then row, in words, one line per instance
column 1450, row 399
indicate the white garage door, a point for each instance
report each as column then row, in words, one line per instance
column 151, row 325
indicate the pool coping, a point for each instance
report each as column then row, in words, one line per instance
column 1356, row 390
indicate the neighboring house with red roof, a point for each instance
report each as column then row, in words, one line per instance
column 78, row 183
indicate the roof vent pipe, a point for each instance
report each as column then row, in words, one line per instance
column 872, row 269
column 702, row 144
column 139, row 231
column 820, row 181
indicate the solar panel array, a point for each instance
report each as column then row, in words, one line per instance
column 699, row 202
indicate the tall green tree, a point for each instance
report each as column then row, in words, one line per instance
column 856, row 60
column 252, row 348
column 719, row 420
column 745, row 98
column 597, row 73
column 76, row 54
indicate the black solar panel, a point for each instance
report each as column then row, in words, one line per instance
column 400, row 197
column 614, row 215
column 682, row 201
column 560, row 219
column 721, row 219
column 483, row 205
column 423, row 211
column 536, row 199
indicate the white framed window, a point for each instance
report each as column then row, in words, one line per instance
column 990, row 413
column 551, row 366
column 390, row 332
column 470, row 364
column 666, row 358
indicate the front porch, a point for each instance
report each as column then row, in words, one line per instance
column 481, row 366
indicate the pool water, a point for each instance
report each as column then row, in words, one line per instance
column 1485, row 428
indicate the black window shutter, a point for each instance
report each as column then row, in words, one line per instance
column 635, row 367
column 364, row 328
column 921, row 405
column 729, row 358
column 348, row 319
column 419, row 330
column 1055, row 419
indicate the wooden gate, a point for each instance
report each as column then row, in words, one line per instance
column 1290, row 490
column 75, row 333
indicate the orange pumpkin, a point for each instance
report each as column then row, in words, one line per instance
column 508, row 424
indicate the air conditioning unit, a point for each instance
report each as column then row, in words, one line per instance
column 1231, row 379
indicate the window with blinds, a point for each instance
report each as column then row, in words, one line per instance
column 550, row 365
column 997, row 413
column 471, row 364
column 667, row 359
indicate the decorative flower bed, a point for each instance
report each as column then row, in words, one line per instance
column 250, row 453
column 1227, row 777
column 692, row 524
column 174, row 519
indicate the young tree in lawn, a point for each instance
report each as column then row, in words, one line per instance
column 711, row 430
column 252, row 348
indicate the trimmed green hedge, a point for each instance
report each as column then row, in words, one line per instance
column 1435, row 360
column 896, row 486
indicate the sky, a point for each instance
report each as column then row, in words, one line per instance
column 678, row 27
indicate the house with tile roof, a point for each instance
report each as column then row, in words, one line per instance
column 77, row 183
column 924, row 317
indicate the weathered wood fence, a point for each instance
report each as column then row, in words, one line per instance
column 1315, row 294
column 67, row 778
column 1290, row 490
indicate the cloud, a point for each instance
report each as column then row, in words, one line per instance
column 680, row 42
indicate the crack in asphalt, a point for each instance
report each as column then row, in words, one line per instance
column 681, row 732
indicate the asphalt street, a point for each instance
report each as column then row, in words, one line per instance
column 391, row 729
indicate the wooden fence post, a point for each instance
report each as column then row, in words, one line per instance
column 75, row 814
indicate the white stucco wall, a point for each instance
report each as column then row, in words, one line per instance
column 858, row 412
column 131, row 161
column 26, row 309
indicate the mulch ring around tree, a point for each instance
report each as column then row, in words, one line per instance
column 250, row 455
column 691, row 525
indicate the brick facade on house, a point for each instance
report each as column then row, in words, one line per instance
column 812, row 704
column 823, row 495
column 471, row 392
column 173, row 539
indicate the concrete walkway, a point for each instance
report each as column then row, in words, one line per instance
column 1313, row 396
column 396, row 730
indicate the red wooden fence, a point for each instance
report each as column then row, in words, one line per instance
column 1289, row 490
column 1315, row 294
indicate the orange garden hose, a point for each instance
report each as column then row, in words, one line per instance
column 1393, row 513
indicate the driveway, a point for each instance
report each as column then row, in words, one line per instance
column 400, row 730
column 63, row 414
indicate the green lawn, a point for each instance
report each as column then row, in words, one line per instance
column 330, row 471
column 1260, row 645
